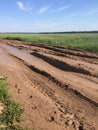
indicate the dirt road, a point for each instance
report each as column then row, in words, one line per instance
column 57, row 86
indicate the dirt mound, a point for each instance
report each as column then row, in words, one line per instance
column 57, row 86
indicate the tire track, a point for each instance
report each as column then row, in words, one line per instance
column 78, row 83
column 60, row 64
column 59, row 83
column 64, row 86
column 68, row 51
column 75, row 82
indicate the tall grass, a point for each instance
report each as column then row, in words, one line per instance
column 86, row 41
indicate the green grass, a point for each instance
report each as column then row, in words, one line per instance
column 4, row 95
column 85, row 41
column 12, row 111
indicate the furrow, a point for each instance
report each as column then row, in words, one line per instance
column 59, row 83
column 60, row 64
column 66, row 51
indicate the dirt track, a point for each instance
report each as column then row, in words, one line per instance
column 58, row 86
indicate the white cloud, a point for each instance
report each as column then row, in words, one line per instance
column 43, row 10
column 60, row 9
column 22, row 7
column 63, row 8
column 46, row 9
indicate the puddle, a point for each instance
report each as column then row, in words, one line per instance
column 5, row 60
column 25, row 56
column 16, row 52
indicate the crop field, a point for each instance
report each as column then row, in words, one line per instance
column 85, row 41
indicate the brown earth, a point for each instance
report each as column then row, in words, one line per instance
column 57, row 86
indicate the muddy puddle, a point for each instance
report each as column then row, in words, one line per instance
column 16, row 52
column 5, row 60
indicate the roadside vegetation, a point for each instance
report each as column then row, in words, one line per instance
column 85, row 41
column 11, row 112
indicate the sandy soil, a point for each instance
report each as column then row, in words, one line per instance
column 57, row 86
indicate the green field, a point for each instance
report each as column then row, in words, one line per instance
column 85, row 41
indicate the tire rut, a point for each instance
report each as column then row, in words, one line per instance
column 64, row 86
column 60, row 64
column 66, row 51
column 56, row 74
column 58, row 81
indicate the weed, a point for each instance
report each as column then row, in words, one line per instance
column 3, row 91
column 12, row 111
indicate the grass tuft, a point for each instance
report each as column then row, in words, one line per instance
column 10, row 117
column 11, row 113
column 4, row 95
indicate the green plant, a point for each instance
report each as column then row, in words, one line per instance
column 3, row 91
column 14, row 38
column 11, row 113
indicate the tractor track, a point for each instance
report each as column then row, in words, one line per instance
column 57, row 85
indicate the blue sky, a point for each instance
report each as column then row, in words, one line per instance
column 48, row 15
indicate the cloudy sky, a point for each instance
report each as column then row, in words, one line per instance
column 48, row 15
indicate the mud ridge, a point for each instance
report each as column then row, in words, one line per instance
column 33, row 68
column 59, row 83
column 66, row 51
column 83, row 97
column 60, row 64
